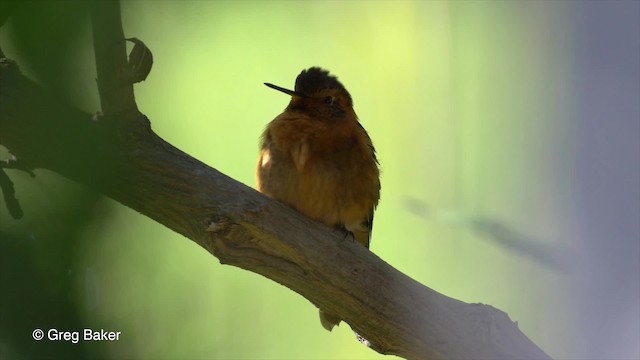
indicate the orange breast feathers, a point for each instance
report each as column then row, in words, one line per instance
column 326, row 170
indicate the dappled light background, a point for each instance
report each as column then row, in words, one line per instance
column 507, row 134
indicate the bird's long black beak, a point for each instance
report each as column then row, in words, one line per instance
column 286, row 91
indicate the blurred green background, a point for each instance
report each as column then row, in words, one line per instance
column 507, row 134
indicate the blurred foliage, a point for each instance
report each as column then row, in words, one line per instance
column 408, row 66
column 465, row 102
column 38, row 254
column 38, row 268
column 44, row 33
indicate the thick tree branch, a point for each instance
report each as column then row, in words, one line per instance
column 244, row 228
column 120, row 156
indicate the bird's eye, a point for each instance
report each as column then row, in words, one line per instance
column 328, row 100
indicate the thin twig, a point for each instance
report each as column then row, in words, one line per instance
column 116, row 91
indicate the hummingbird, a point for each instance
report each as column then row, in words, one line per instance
column 317, row 158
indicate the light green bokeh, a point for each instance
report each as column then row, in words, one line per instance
column 450, row 93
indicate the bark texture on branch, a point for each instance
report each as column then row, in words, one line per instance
column 246, row 229
column 120, row 156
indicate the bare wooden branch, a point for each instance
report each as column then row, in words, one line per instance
column 116, row 91
column 118, row 155
column 130, row 163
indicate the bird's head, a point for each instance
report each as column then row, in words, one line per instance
column 319, row 95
